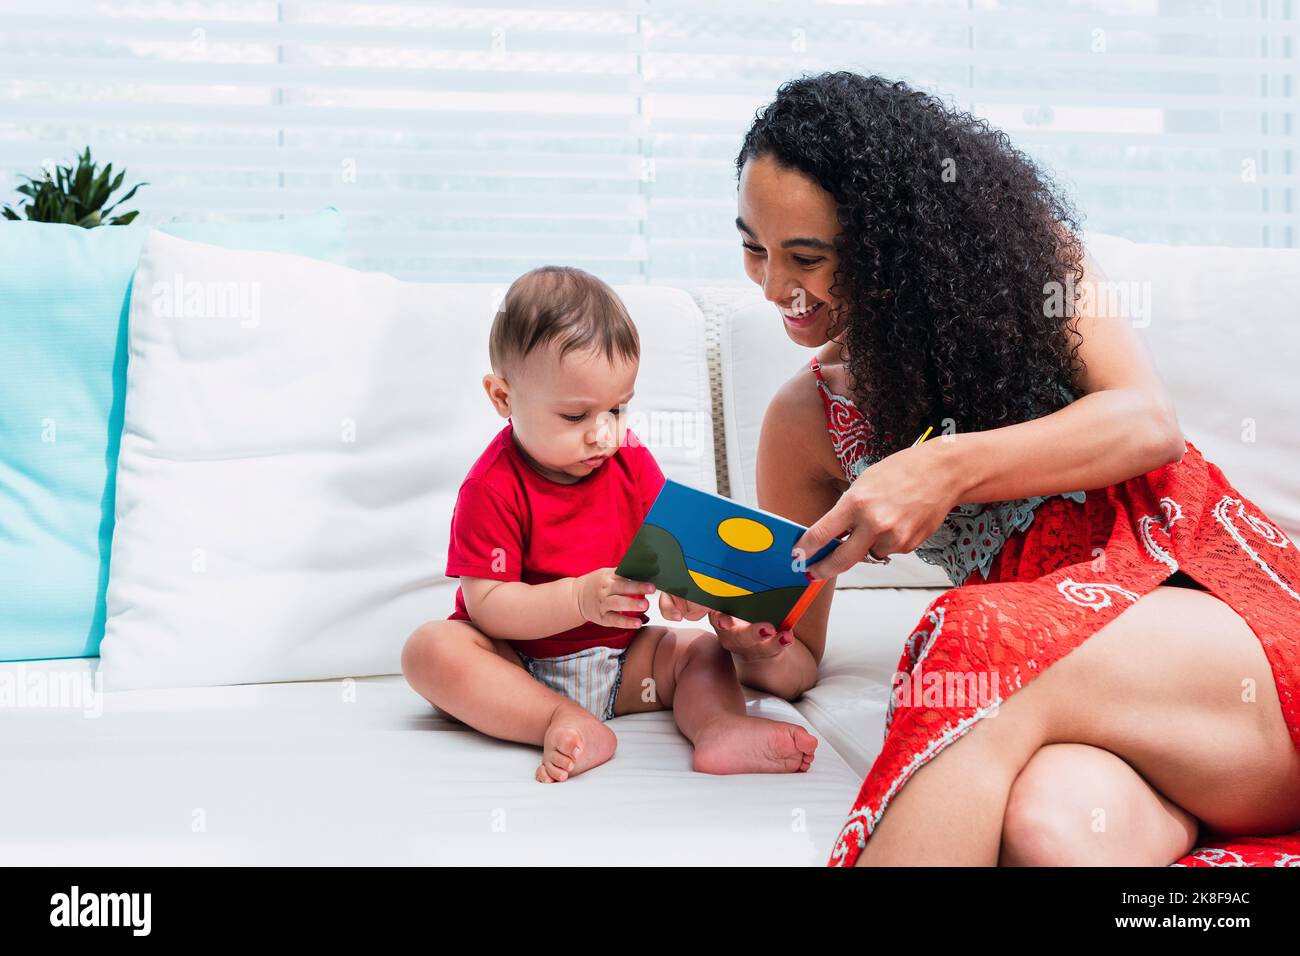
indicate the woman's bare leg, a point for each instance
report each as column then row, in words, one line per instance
column 1076, row 805
column 1163, row 686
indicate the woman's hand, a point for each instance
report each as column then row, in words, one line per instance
column 892, row 508
column 749, row 641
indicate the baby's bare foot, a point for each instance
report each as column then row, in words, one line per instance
column 737, row 744
column 575, row 741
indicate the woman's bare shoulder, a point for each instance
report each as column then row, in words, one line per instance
column 794, row 426
column 796, row 404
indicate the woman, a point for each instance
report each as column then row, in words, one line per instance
column 1138, row 615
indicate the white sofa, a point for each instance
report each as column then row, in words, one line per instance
column 361, row 770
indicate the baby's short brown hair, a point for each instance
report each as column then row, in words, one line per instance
column 564, row 305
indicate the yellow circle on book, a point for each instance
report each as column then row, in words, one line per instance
column 745, row 534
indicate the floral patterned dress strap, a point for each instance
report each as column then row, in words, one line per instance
column 846, row 425
column 821, row 383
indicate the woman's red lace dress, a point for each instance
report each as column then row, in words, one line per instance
column 1049, row 588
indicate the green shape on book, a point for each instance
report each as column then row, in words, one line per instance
column 656, row 555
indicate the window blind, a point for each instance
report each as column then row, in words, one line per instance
column 468, row 143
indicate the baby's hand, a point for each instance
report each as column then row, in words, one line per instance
column 675, row 608
column 603, row 596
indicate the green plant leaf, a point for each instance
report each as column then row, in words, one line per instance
column 130, row 193
column 98, row 191
column 74, row 194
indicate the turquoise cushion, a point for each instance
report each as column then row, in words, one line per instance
column 63, row 308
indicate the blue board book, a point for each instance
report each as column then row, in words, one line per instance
column 723, row 555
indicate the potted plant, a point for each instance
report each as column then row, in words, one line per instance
column 74, row 195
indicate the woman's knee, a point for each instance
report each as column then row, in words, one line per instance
column 1076, row 805
column 1038, row 830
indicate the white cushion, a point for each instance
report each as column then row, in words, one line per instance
column 1222, row 331
column 363, row 772
column 286, row 479
column 757, row 359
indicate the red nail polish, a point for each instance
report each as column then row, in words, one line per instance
column 765, row 632
column 786, row 641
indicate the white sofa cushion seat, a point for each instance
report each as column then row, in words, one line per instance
column 364, row 773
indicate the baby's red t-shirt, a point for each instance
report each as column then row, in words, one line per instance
column 513, row 524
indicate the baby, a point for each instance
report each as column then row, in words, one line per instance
column 546, row 641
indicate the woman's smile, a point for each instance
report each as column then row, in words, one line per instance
column 805, row 319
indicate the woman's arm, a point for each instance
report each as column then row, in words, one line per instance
column 1125, row 425
column 793, row 481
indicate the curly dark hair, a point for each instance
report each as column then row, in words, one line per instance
column 943, row 277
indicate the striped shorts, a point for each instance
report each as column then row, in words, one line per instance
column 589, row 677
